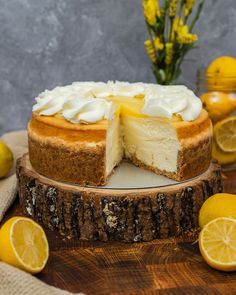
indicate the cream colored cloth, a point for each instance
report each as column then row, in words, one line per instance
column 17, row 282
column 14, row 281
column 17, row 141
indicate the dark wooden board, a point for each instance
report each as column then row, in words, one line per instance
column 167, row 266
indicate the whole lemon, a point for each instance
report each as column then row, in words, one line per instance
column 218, row 104
column 221, row 74
column 6, row 159
column 218, row 205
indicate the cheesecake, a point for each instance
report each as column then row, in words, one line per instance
column 79, row 133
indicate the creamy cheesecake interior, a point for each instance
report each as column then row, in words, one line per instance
column 114, row 144
column 152, row 142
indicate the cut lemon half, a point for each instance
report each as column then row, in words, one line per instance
column 225, row 134
column 217, row 243
column 23, row 244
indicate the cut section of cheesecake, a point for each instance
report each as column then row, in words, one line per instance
column 176, row 149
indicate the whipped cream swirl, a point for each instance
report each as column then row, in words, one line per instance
column 165, row 101
column 74, row 104
column 87, row 110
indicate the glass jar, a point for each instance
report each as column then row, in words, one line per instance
column 207, row 83
column 218, row 94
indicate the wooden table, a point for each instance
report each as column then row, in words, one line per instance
column 170, row 266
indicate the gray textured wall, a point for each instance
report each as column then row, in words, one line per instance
column 45, row 43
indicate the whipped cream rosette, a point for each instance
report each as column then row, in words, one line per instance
column 165, row 101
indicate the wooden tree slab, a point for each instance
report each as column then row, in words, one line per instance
column 129, row 215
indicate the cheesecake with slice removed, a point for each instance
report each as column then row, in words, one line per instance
column 81, row 132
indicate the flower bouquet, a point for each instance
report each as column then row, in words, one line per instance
column 170, row 29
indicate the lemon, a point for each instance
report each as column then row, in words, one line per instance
column 6, row 159
column 221, row 74
column 218, row 104
column 222, row 157
column 217, row 243
column 218, row 205
column 23, row 244
column 225, row 134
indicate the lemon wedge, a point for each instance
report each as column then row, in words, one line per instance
column 217, row 243
column 23, row 244
column 225, row 134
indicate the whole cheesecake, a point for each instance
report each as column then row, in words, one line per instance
column 81, row 132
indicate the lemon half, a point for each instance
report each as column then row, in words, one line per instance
column 225, row 134
column 217, row 243
column 23, row 244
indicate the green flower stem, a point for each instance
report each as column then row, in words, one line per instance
column 200, row 7
column 171, row 27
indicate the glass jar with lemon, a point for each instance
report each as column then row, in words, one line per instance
column 217, row 88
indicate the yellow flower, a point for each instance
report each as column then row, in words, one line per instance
column 177, row 24
column 158, row 44
column 150, row 50
column 187, row 38
column 172, row 8
column 169, row 53
column 151, row 11
column 188, row 6
column 180, row 32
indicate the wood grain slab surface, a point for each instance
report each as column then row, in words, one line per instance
column 166, row 266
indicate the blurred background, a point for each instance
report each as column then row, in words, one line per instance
column 55, row 42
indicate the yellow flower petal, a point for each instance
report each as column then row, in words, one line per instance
column 150, row 50
column 158, row 44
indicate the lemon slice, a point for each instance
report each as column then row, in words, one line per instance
column 217, row 243
column 23, row 244
column 225, row 134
